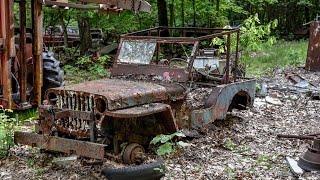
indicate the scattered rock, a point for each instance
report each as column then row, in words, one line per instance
column 293, row 164
column 273, row 100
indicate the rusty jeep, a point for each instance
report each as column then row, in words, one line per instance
column 163, row 80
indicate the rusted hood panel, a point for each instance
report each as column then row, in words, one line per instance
column 121, row 93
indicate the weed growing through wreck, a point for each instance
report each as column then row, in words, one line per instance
column 167, row 144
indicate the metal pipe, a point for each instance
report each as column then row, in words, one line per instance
column 295, row 136
column 227, row 79
column 237, row 57
column 158, row 47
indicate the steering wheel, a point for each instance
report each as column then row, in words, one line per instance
column 178, row 62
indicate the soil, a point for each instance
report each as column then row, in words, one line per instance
column 244, row 146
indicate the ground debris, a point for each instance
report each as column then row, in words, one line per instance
column 244, row 146
column 197, row 98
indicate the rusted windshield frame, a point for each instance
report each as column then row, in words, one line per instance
column 136, row 36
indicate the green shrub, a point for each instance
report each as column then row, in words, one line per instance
column 96, row 68
column 7, row 128
column 166, row 143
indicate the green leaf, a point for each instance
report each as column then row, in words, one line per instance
column 165, row 138
column 3, row 134
column 166, row 148
column 179, row 134
column 156, row 140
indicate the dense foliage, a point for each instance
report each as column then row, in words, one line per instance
column 210, row 13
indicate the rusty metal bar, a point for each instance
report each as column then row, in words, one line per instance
column 178, row 39
column 197, row 28
column 193, row 56
column 142, row 31
column 23, row 58
column 37, row 20
column 72, row 5
column 158, row 47
column 227, row 78
column 237, row 57
column 217, row 34
column 69, row 146
column 185, row 40
column 295, row 136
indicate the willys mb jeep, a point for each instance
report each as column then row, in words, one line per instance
column 163, row 80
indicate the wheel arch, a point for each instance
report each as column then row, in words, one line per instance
column 223, row 99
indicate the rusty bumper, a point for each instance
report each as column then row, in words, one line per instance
column 69, row 146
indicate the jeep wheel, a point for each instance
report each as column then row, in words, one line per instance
column 53, row 75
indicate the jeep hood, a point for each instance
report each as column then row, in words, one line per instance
column 121, row 94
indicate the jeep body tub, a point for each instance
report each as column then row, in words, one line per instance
column 145, row 96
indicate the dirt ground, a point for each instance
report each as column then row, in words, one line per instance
column 244, row 146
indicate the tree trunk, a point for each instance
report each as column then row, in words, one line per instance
column 85, row 36
column 218, row 12
column 182, row 12
column 194, row 12
column 171, row 9
column 163, row 15
column 64, row 29
column 218, row 8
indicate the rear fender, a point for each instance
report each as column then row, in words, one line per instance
column 223, row 98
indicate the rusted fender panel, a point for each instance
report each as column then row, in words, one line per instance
column 163, row 110
column 69, row 146
column 119, row 93
column 139, row 111
column 219, row 101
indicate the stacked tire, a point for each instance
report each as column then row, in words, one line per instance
column 53, row 75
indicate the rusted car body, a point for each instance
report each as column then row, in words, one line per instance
column 156, row 87
column 53, row 36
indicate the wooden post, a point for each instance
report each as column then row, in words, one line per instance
column 37, row 19
column 23, row 60
column 8, row 33
column 313, row 56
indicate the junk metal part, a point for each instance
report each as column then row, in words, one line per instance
column 310, row 161
column 310, row 137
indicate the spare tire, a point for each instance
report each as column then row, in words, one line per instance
column 53, row 75
column 151, row 171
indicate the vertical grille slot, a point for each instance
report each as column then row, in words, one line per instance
column 74, row 101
